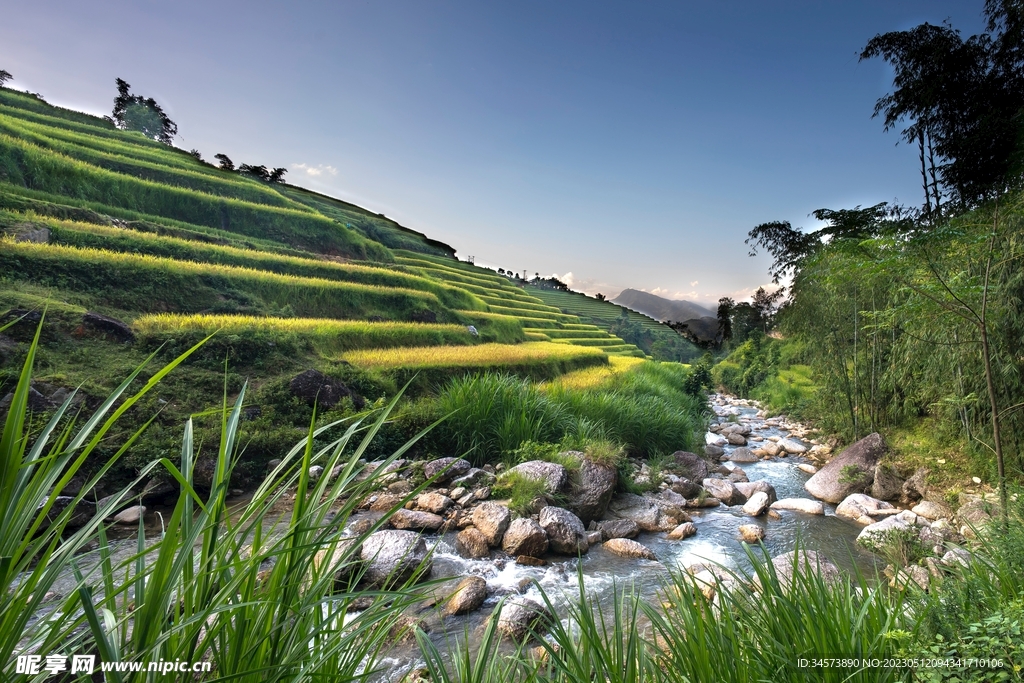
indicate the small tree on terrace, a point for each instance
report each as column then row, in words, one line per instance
column 225, row 162
column 142, row 114
column 4, row 77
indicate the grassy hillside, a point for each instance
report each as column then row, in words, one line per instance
column 131, row 247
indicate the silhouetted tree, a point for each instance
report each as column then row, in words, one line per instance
column 142, row 114
column 599, row 296
column 960, row 100
column 196, row 154
column 4, row 77
column 766, row 305
column 277, row 175
column 225, row 162
column 259, row 172
column 725, row 307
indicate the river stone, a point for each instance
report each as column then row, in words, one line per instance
column 770, row 448
column 756, row 504
column 593, row 490
column 852, row 471
column 686, row 488
column 416, row 520
column 715, row 440
column 931, row 510
column 724, row 491
column 737, row 475
column 643, row 511
column 392, row 557
column 472, row 544
column 618, row 528
column 916, row 487
column 525, row 537
column 552, row 474
column 862, row 508
column 445, row 469
column 130, row 515
column 690, row 465
column 467, row 597
column 714, row 452
column 434, row 502
column 566, row 533
column 623, row 547
column 807, row 467
column 875, row 536
column 750, row 488
column 809, row 561
column 684, row 530
column 792, row 446
column 805, row 505
column 751, row 533
column 492, row 520
column 519, row 616
column 736, row 439
column 887, row 484
column 474, row 478
column 743, row 455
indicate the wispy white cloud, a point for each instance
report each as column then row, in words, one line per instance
column 315, row 171
column 695, row 283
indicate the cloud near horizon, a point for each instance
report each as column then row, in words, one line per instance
column 317, row 170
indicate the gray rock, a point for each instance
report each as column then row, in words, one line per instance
column 130, row 515
column 792, row 446
column 553, row 475
column 757, row 504
column 315, row 472
column 887, row 484
column 393, row 557
column 750, row 488
column 807, row 561
column 737, row 475
column 593, row 490
column 445, row 469
column 520, row 616
column 469, row 595
column 690, row 465
column 416, row 520
column 113, row 327
column 852, row 471
column 623, row 547
column 434, row 502
column 492, row 521
column 472, row 544
column 916, row 487
column 859, row 505
column 932, row 510
column 644, row 512
column 314, row 387
column 736, row 439
column 713, row 451
column 878, row 535
column 618, row 528
column 686, row 488
column 724, row 491
column 805, row 505
column 684, row 530
column 525, row 537
column 743, row 455
column 566, row 533
column 474, row 478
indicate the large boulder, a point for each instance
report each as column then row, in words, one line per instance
column 472, row 544
column 863, row 508
column 743, row 455
column 881, row 534
column 446, row 469
column 684, row 530
column 757, row 504
column 916, row 487
column 725, row 491
column 804, row 562
column 748, row 489
column 887, row 484
column 931, row 510
column 852, row 471
column 566, row 533
column 434, row 502
column 474, row 478
column 751, row 533
column 525, row 537
column 593, row 491
column 690, row 465
column 314, row 387
column 416, row 520
column 805, row 505
column 618, row 528
column 492, row 521
column 467, row 597
column 520, row 616
column 553, row 475
column 791, row 446
column 393, row 557
column 112, row 327
column 623, row 547
column 647, row 515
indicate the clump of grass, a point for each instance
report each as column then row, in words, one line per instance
column 522, row 492
column 605, row 453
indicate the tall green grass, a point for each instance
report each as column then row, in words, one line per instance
column 146, row 283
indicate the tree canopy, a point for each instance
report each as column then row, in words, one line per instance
column 4, row 77
column 142, row 114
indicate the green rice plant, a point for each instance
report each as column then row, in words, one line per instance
column 493, row 327
column 131, row 241
column 572, row 333
column 608, row 341
column 513, row 310
column 189, row 286
column 33, row 167
column 520, row 303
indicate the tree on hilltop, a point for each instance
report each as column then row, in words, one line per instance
column 4, row 77
column 259, row 172
column 225, row 162
column 277, row 175
column 141, row 114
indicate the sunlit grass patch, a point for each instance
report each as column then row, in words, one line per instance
column 482, row 356
column 593, row 377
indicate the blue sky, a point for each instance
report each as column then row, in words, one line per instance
column 631, row 144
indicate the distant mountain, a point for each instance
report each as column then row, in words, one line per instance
column 661, row 308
